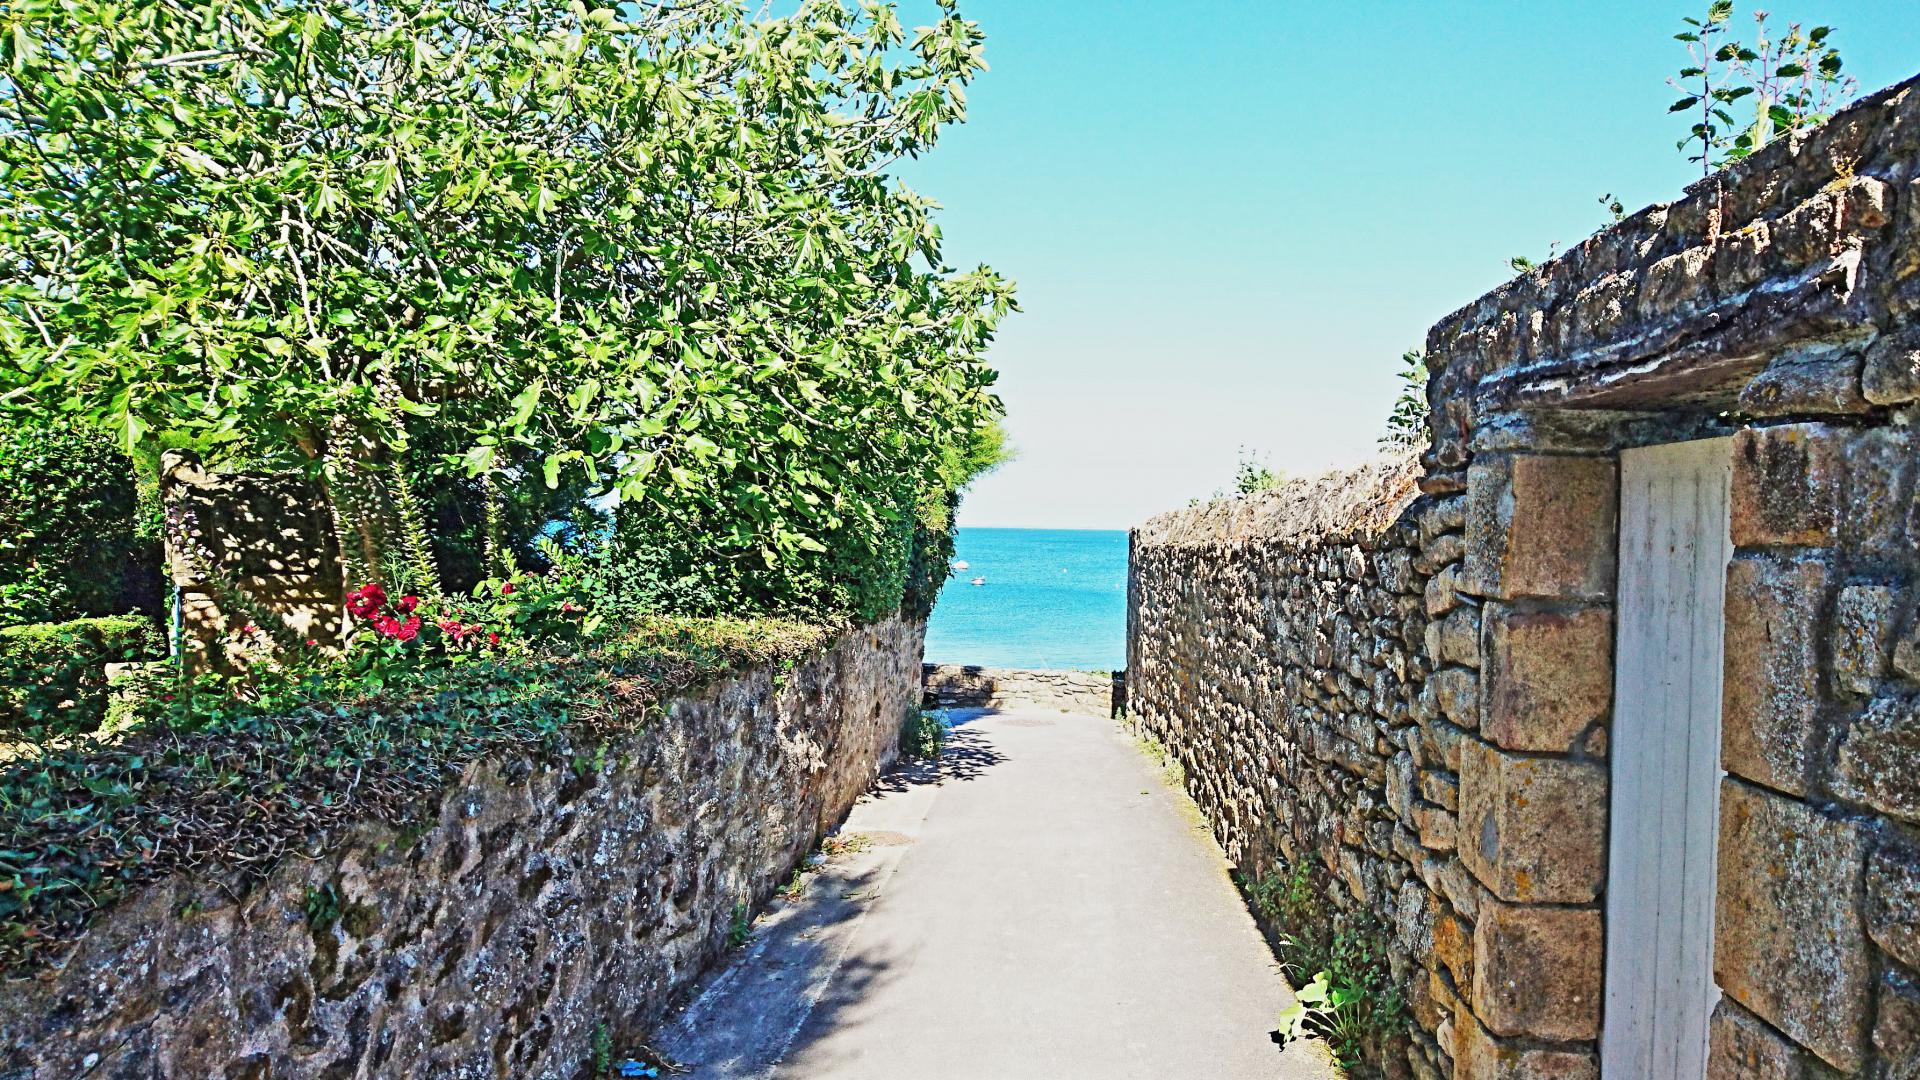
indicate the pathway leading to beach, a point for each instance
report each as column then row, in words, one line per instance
column 1043, row 906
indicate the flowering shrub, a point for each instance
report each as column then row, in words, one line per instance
column 519, row 612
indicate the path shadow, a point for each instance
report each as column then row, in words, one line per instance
column 967, row 755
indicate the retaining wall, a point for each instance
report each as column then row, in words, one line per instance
column 1094, row 693
column 532, row 904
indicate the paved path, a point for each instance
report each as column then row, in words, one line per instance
column 1042, row 907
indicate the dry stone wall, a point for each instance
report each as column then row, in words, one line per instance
column 1449, row 760
column 1299, row 655
column 1092, row 693
column 532, row 904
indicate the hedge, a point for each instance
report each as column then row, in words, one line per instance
column 53, row 676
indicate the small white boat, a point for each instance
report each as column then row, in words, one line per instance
column 960, row 564
column 979, row 581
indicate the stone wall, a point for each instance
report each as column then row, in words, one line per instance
column 1278, row 646
column 1462, row 787
column 531, row 905
column 1093, row 693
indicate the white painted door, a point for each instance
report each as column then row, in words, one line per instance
column 1665, row 747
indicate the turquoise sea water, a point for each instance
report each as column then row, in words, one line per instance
column 1053, row 598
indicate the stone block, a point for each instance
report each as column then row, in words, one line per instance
column 1549, row 676
column 1456, row 695
column 1827, row 382
column 1789, row 943
column 1439, row 829
column 1537, row 971
column 1477, row 1055
column 1864, row 618
column 1890, row 374
column 1455, row 639
column 1740, row 1047
column 1453, row 948
column 1879, row 760
column 1441, row 516
column 1877, row 507
column 1771, row 692
column 1893, row 903
column 1786, row 485
column 1567, row 513
column 1440, row 788
column 1896, row 1034
column 1533, row 830
column 1441, row 595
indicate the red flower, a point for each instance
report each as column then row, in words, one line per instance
column 249, row 629
column 493, row 639
column 407, row 604
column 507, row 589
column 311, row 643
column 408, row 630
column 450, row 626
column 365, row 601
column 387, row 625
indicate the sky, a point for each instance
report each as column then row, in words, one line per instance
column 1229, row 220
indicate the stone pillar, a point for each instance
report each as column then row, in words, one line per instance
column 254, row 559
column 1541, row 540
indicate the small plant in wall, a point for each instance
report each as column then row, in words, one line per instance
column 1786, row 81
column 1407, row 424
column 740, row 927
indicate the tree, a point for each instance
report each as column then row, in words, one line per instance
column 653, row 249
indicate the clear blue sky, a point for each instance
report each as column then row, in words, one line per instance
column 1229, row 219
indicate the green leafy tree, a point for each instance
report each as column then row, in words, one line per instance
column 652, row 250
column 74, row 537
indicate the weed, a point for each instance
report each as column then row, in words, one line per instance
column 740, row 929
column 1346, row 990
column 602, row 1050
column 923, row 735
column 322, row 907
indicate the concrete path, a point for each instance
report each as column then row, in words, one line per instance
column 1043, row 906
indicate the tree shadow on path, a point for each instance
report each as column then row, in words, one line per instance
column 967, row 755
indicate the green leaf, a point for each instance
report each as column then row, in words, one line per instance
column 523, row 405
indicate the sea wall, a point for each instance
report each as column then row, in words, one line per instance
column 1417, row 693
column 1093, row 693
column 533, row 905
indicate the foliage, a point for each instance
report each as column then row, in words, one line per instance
column 652, row 249
column 74, row 540
column 1252, row 475
column 923, row 735
column 52, row 677
column 1347, row 993
column 234, row 781
column 1407, row 424
column 740, row 926
column 1351, row 1003
column 1795, row 80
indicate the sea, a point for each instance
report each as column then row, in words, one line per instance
column 1050, row 598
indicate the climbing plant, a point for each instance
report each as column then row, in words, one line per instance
column 652, row 249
